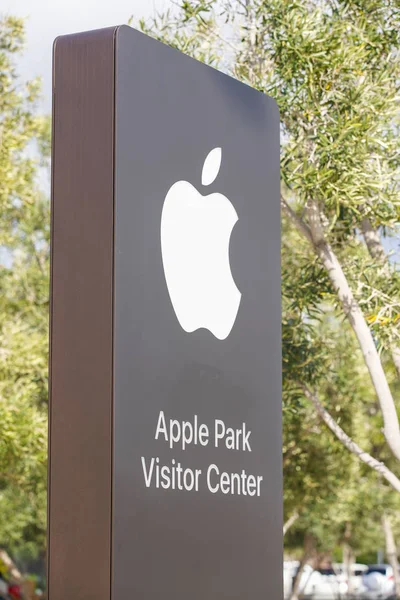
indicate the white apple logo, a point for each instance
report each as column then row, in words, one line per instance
column 195, row 234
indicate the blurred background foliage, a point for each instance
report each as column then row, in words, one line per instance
column 24, row 303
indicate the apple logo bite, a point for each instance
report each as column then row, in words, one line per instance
column 195, row 234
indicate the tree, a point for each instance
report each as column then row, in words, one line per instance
column 24, row 252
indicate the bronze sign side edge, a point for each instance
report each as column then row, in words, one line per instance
column 81, row 318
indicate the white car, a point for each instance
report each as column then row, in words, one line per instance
column 289, row 571
column 3, row 589
column 322, row 584
column 357, row 570
column 378, row 582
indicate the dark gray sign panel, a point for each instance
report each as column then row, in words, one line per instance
column 193, row 353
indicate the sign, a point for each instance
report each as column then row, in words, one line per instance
column 165, row 419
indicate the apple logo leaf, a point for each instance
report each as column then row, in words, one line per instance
column 211, row 166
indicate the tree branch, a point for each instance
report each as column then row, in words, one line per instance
column 14, row 572
column 373, row 241
column 296, row 220
column 366, row 458
column 315, row 235
column 396, row 359
column 391, row 551
column 377, row 252
column 291, row 520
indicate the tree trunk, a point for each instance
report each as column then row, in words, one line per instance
column 309, row 547
column 357, row 321
column 291, row 520
column 348, row 558
column 391, row 551
column 315, row 234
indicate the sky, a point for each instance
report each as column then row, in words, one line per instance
column 46, row 19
